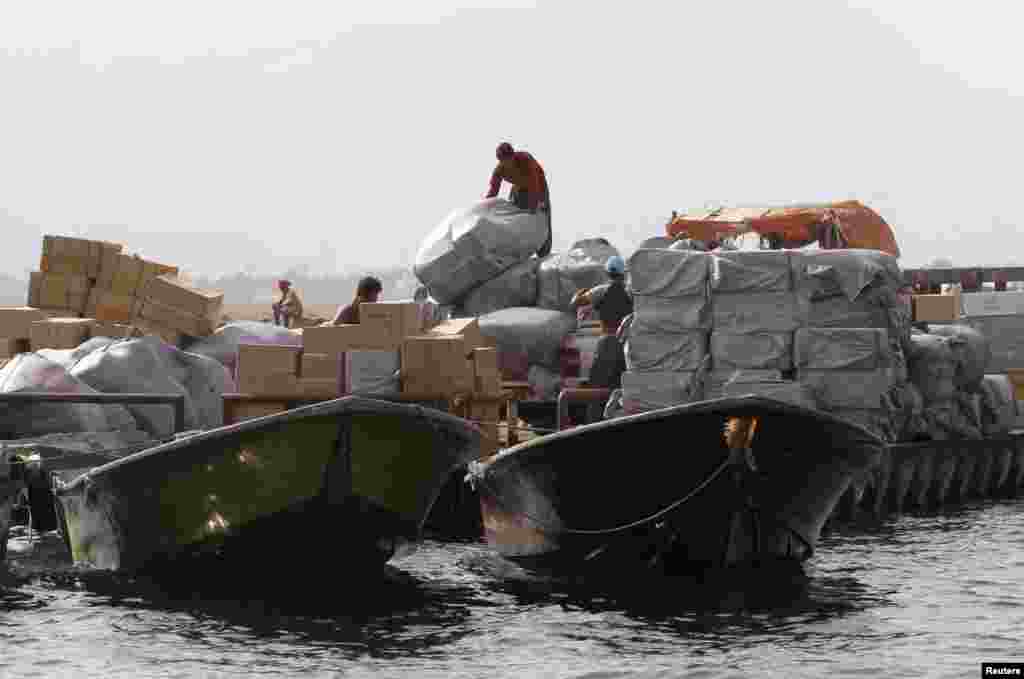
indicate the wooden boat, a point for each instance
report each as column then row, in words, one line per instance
column 12, row 482
column 669, row 487
column 348, row 481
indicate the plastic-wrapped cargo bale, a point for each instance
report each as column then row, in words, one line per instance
column 751, row 351
column 998, row 405
column 932, row 366
column 786, row 391
column 148, row 366
column 67, row 358
column 535, row 335
column 33, row 373
column 656, row 243
column 654, row 390
column 972, row 357
column 1006, row 340
column 560, row 276
column 845, row 368
column 222, row 345
column 372, row 372
column 516, row 287
column 669, row 274
column 750, row 312
column 544, row 383
column 654, row 351
column 747, row 271
column 473, row 245
column 848, row 272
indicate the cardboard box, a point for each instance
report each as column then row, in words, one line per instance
column 1016, row 376
column 59, row 291
column 320, row 388
column 268, row 368
column 15, row 322
column 116, row 330
column 334, row 340
column 393, row 321
column 76, row 256
column 175, row 319
column 105, row 305
column 59, row 333
column 486, row 372
column 245, row 410
column 979, row 304
column 436, row 366
column 12, row 346
column 467, row 328
column 936, row 308
column 173, row 292
column 320, row 366
column 128, row 275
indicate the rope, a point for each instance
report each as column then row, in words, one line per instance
column 628, row 526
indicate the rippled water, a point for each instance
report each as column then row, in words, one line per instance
column 913, row 596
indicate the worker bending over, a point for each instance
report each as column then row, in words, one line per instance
column 368, row 290
column 529, row 185
column 612, row 303
column 288, row 309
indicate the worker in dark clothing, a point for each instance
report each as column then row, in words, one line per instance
column 529, row 185
column 612, row 303
column 368, row 290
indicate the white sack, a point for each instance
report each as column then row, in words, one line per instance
column 664, row 352
column 672, row 314
column 31, row 372
column 931, row 364
column 67, row 358
column 560, row 276
column 534, row 333
column 753, row 271
column 517, row 287
column 750, row 312
column 857, row 389
column 998, row 405
column 653, row 390
column 669, row 273
column 842, row 348
column 656, row 243
column 1006, row 339
column 972, row 358
column 824, row 273
column 752, row 351
column 474, row 244
column 149, row 366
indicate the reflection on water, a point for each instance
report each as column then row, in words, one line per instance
column 925, row 595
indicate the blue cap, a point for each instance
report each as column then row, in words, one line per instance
column 615, row 265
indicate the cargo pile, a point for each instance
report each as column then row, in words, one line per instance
column 808, row 327
column 480, row 263
column 93, row 288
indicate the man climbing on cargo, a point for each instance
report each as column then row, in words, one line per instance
column 288, row 309
column 368, row 290
column 612, row 303
column 529, row 185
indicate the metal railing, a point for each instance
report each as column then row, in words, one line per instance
column 176, row 401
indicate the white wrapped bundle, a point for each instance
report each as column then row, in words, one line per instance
column 560, row 276
column 743, row 271
column 669, row 273
column 473, row 245
column 653, row 390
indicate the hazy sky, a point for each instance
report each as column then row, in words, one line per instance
column 226, row 136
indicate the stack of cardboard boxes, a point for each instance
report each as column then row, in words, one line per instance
column 119, row 295
column 390, row 352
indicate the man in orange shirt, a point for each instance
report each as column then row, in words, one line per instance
column 529, row 184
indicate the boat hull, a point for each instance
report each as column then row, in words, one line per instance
column 352, row 478
column 658, row 488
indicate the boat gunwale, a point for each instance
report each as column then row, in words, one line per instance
column 343, row 406
column 767, row 406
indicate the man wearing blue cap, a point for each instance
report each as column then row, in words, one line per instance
column 612, row 303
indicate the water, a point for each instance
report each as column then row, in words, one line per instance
column 916, row 596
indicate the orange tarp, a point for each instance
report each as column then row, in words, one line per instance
column 860, row 226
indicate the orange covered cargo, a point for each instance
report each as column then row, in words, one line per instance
column 858, row 225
